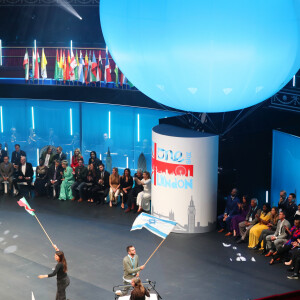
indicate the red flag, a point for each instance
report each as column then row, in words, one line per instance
column 36, row 65
column 68, row 67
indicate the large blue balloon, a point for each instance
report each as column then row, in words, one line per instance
column 204, row 55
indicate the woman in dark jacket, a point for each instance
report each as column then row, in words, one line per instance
column 139, row 292
column 61, row 272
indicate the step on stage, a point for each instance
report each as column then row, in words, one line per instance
column 94, row 239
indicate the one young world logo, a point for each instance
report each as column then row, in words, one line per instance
column 172, row 169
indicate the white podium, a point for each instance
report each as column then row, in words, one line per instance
column 185, row 178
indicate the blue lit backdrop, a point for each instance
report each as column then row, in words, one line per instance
column 89, row 126
column 285, row 165
column 208, row 56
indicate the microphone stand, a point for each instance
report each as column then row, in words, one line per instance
column 152, row 284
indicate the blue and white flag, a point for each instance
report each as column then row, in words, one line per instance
column 156, row 225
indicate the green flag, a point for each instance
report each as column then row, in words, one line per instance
column 117, row 75
column 76, row 68
column 130, row 84
column 56, row 71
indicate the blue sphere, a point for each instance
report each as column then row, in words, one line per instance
column 204, row 56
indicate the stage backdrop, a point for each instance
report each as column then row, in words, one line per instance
column 285, row 165
column 185, row 177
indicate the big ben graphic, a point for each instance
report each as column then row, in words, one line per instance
column 191, row 217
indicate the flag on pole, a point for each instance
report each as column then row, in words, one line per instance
column 61, row 66
column 117, row 75
column 107, row 74
column 56, row 70
column 86, row 67
column 94, row 69
column 26, row 65
column 99, row 68
column 36, row 65
column 23, row 202
column 64, row 66
column 81, row 77
column 43, row 65
column 73, row 65
column 68, row 66
column 129, row 83
column 160, row 227
column 77, row 65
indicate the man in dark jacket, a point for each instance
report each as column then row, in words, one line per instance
column 80, row 180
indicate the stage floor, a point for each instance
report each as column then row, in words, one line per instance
column 94, row 239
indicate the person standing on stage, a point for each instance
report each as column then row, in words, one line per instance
column 139, row 292
column 131, row 265
column 60, row 270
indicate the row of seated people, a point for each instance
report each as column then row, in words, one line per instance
column 93, row 183
column 276, row 231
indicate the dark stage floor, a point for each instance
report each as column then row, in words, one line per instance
column 94, row 239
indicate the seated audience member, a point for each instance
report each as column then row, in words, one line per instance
column 48, row 157
column 54, row 179
column 283, row 251
column 132, row 193
column 41, row 178
column 282, row 200
column 244, row 208
column 91, row 181
column 80, row 180
column 295, row 261
column 290, row 208
column 6, row 173
column 3, row 153
column 272, row 225
column 146, row 193
column 231, row 209
column 250, row 221
column 276, row 240
column 60, row 156
column 94, row 159
column 75, row 158
column 101, row 188
column 16, row 157
column 126, row 182
column 262, row 221
column 67, row 181
column 139, row 292
column 114, row 183
column 24, row 174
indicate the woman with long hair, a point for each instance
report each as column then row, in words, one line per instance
column 60, row 272
column 146, row 193
column 139, row 292
column 91, row 181
column 75, row 158
column 126, row 183
column 67, row 181
column 114, row 183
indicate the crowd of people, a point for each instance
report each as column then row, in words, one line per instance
column 273, row 231
column 77, row 182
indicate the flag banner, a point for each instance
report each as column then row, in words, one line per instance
column 26, row 65
column 43, row 65
column 81, row 77
column 99, row 68
column 68, row 66
column 86, row 67
column 107, row 74
column 77, row 65
column 117, row 75
column 73, row 65
column 35, row 65
column 56, row 70
column 23, row 202
column 93, row 76
column 61, row 66
column 160, row 227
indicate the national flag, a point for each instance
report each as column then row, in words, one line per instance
column 88, row 79
column 94, row 69
column 36, row 65
column 77, row 65
column 56, row 70
column 61, row 66
column 99, row 68
column 129, row 83
column 86, row 66
column 73, row 65
column 122, row 79
column 117, row 75
column 23, row 202
column 43, row 65
column 160, row 227
column 68, row 66
column 26, row 65
column 64, row 66
column 107, row 74
column 33, row 62
column 81, row 77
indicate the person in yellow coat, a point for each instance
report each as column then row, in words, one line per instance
column 262, row 224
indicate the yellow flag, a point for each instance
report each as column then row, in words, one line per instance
column 43, row 65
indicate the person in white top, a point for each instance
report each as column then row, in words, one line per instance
column 146, row 193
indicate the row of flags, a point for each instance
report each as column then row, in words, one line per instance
column 70, row 67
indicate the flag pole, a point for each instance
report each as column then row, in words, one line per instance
column 44, row 231
column 154, row 251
